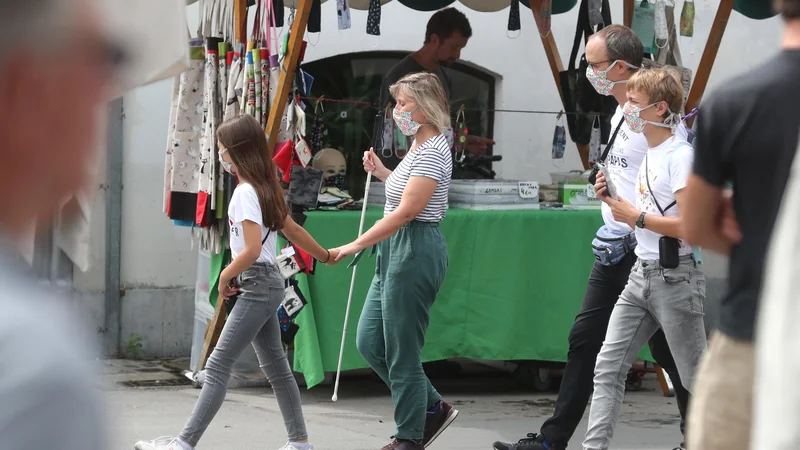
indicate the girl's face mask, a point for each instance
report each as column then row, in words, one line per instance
column 405, row 123
column 637, row 123
column 225, row 164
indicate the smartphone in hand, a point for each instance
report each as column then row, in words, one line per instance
column 611, row 189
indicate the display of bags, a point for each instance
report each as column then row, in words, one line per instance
column 304, row 186
column 582, row 103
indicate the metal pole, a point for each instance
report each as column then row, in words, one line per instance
column 113, row 227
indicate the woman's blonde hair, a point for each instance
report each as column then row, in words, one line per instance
column 428, row 93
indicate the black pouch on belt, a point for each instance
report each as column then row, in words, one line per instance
column 668, row 252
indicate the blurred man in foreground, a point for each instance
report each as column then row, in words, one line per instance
column 746, row 135
column 54, row 70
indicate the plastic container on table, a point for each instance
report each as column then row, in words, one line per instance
column 494, row 194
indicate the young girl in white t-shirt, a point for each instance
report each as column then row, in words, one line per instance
column 257, row 212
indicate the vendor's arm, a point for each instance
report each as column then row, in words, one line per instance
column 416, row 196
column 300, row 237
column 478, row 145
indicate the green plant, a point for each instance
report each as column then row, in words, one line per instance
column 134, row 347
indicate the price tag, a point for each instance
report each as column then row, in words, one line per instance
column 590, row 192
column 529, row 189
column 288, row 250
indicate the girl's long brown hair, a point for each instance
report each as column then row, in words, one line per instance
column 245, row 141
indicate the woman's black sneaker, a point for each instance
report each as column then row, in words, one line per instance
column 437, row 420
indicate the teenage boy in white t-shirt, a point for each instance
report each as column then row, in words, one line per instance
column 665, row 288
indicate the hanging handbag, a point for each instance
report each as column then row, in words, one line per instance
column 293, row 302
column 304, row 186
column 581, row 102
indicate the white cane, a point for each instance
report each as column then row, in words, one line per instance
column 350, row 294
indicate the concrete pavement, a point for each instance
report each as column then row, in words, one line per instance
column 492, row 407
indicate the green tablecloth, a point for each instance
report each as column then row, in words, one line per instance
column 515, row 282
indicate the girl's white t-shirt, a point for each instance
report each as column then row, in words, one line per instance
column 245, row 206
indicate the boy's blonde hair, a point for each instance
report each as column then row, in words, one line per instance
column 427, row 92
column 660, row 85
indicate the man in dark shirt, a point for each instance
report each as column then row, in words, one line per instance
column 446, row 34
column 747, row 135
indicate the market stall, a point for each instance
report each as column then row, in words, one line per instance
column 531, row 284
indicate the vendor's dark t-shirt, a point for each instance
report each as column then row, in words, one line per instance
column 406, row 66
column 747, row 134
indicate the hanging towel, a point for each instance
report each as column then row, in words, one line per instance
column 374, row 18
column 187, row 138
column 277, row 9
column 513, row 16
column 596, row 13
column 343, row 14
column 234, row 89
column 315, row 17
column 206, row 191
column 173, row 117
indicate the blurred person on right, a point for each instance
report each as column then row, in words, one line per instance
column 55, row 69
column 747, row 135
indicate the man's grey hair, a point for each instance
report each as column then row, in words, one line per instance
column 622, row 44
column 33, row 24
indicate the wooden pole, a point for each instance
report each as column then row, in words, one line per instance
column 213, row 330
column 556, row 65
column 709, row 55
column 288, row 68
column 550, row 47
column 240, row 20
column 627, row 14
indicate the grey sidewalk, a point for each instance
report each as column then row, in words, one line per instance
column 492, row 407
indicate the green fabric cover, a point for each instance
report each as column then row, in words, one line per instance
column 514, row 285
column 754, row 9
column 559, row 6
column 426, row 5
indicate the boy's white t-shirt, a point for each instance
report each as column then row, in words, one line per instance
column 669, row 167
column 245, row 206
column 624, row 159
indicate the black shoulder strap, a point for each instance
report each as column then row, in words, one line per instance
column 653, row 194
column 266, row 237
column 611, row 141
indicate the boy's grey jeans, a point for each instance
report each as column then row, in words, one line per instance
column 671, row 299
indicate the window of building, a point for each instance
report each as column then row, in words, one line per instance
column 358, row 76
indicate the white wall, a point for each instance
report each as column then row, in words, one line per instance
column 155, row 253
column 158, row 264
column 525, row 140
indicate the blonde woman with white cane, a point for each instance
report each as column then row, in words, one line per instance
column 411, row 262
